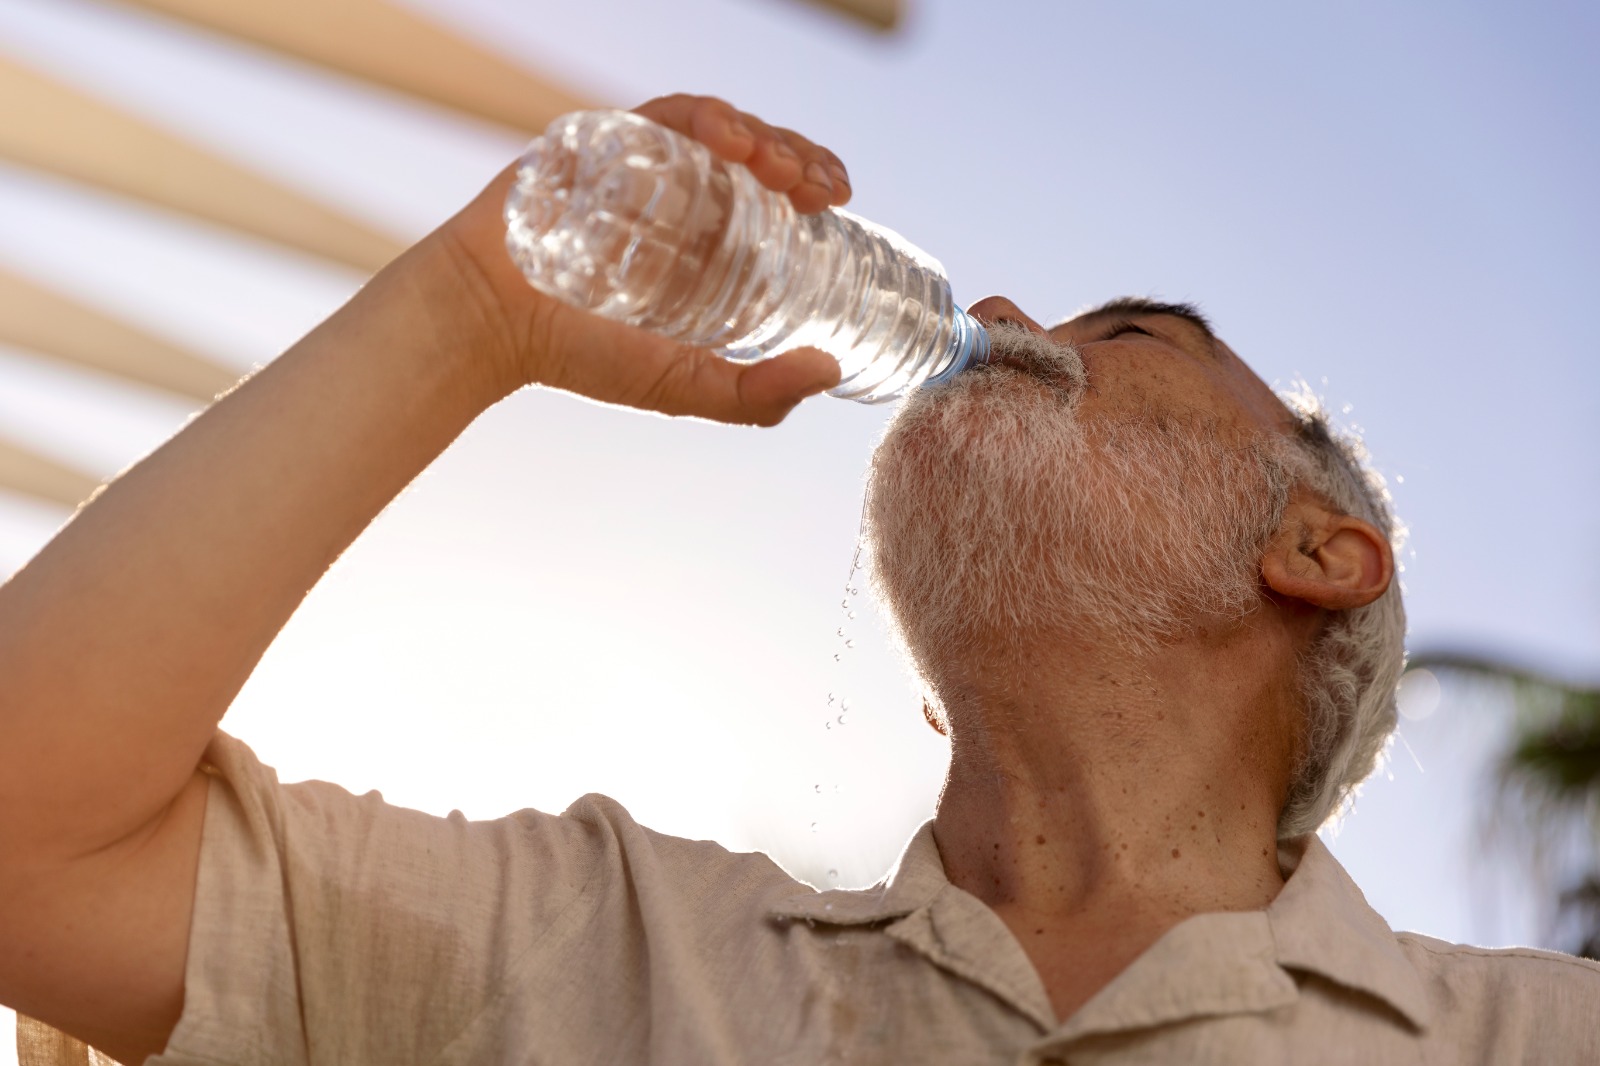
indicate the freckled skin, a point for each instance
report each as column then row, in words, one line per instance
column 1077, row 745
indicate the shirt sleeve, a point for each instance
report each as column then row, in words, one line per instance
column 334, row 928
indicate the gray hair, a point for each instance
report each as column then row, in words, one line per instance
column 1349, row 674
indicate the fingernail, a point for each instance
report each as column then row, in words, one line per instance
column 817, row 175
column 740, row 131
column 783, row 151
column 841, row 180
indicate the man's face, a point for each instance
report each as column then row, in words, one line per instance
column 1111, row 480
column 1139, row 362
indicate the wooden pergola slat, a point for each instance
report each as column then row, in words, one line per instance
column 389, row 45
column 32, row 474
column 55, row 127
column 43, row 320
column 881, row 15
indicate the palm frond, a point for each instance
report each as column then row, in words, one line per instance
column 1548, row 782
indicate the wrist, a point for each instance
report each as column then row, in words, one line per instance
column 505, row 321
column 439, row 299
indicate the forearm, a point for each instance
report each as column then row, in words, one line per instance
column 122, row 644
column 124, row 641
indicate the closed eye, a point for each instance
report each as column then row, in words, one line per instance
column 1117, row 329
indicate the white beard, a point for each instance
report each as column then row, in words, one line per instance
column 994, row 512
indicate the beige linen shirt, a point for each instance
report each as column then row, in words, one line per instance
column 337, row 929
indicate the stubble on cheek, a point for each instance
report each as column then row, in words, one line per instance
column 994, row 509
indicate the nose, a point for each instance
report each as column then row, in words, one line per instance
column 992, row 309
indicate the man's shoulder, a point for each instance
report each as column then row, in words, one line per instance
column 1508, row 1004
column 701, row 865
column 1502, row 970
column 595, row 842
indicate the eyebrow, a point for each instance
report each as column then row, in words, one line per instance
column 1132, row 306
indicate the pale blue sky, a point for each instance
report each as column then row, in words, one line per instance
column 1394, row 202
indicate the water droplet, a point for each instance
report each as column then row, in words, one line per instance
column 833, row 875
column 852, row 590
column 835, row 656
column 844, row 705
column 817, row 789
column 844, row 604
column 852, row 614
column 841, row 719
column 849, row 643
column 839, row 632
column 830, row 699
column 827, row 725
column 813, row 827
column 838, row 788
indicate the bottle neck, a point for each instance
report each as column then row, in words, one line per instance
column 970, row 348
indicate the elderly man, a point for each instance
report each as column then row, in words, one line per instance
column 1154, row 609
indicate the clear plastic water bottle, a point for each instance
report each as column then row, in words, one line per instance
column 620, row 216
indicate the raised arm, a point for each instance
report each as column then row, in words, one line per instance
column 125, row 640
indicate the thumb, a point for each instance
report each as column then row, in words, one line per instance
column 770, row 389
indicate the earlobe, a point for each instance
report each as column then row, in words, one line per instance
column 1329, row 560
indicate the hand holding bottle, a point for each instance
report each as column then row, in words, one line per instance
column 173, row 581
column 537, row 339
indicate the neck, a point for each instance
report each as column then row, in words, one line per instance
column 1102, row 791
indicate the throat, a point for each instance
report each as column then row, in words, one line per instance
column 1065, row 867
column 1076, row 956
column 1091, row 860
column 1080, row 932
column 1095, row 799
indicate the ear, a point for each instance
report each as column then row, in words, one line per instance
column 1327, row 559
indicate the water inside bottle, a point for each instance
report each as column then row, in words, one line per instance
column 622, row 217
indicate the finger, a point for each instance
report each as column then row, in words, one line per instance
column 615, row 363
column 840, row 177
column 778, row 384
column 674, row 111
column 704, row 385
column 775, row 164
column 715, row 123
column 733, row 135
column 780, row 159
column 821, row 170
column 724, row 129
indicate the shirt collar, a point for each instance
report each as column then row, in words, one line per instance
column 1322, row 923
column 917, row 877
column 951, row 928
column 1205, row 966
column 1209, row 964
